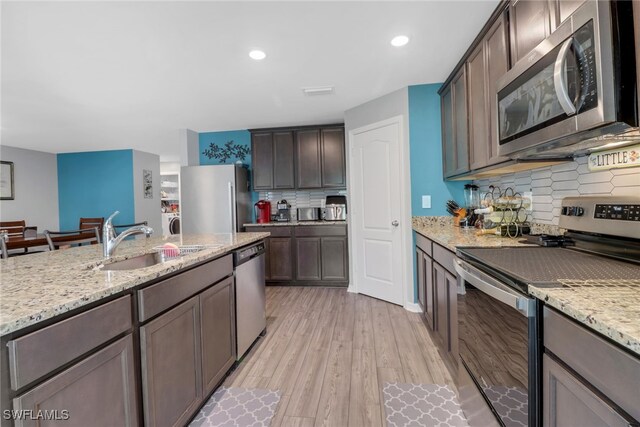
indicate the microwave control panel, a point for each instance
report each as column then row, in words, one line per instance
column 617, row 212
column 587, row 85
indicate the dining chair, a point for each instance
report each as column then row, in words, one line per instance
column 15, row 229
column 86, row 223
column 72, row 237
column 3, row 245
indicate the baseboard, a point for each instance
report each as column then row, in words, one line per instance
column 412, row 307
column 351, row 288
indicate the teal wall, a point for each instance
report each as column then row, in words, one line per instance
column 425, row 142
column 95, row 184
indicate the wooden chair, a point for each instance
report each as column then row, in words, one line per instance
column 18, row 229
column 87, row 223
column 73, row 237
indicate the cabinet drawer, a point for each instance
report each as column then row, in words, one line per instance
column 275, row 230
column 38, row 353
column 609, row 369
column 321, row 230
column 97, row 391
column 424, row 244
column 154, row 299
column 444, row 257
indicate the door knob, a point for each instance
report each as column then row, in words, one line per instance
column 395, row 223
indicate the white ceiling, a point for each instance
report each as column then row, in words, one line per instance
column 80, row 76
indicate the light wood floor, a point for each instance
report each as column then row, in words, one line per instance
column 329, row 352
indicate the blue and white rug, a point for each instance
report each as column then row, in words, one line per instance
column 238, row 407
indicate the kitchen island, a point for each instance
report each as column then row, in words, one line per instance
column 143, row 346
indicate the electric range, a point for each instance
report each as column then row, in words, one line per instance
column 500, row 324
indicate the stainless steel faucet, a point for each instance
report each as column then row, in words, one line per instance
column 109, row 239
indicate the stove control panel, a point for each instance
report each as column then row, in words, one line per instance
column 619, row 212
column 608, row 215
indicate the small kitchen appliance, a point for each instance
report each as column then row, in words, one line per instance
column 601, row 248
column 472, row 202
column 335, row 208
column 263, row 211
column 284, row 211
column 309, row 214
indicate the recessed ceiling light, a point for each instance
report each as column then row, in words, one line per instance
column 257, row 55
column 323, row 90
column 398, row 41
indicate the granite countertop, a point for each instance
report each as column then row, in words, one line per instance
column 611, row 308
column 40, row 286
column 296, row 223
column 442, row 231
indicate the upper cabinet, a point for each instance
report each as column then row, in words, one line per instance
column 272, row 155
column 302, row 158
column 485, row 65
column 455, row 142
column 530, row 23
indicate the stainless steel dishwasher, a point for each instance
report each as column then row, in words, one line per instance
column 251, row 317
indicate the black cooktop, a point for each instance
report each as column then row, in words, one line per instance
column 545, row 266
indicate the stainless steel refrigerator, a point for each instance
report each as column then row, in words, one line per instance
column 214, row 199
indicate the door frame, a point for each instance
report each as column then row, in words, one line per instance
column 408, row 296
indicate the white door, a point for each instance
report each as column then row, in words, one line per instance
column 376, row 210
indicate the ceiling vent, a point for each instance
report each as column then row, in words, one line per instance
column 322, row 90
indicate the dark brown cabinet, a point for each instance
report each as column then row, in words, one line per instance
column 301, row 158
column 334, row 256
column 421, row 278
column 306, row 254
column 172, row 365
column 454, row 126
column 97, row 391
column 530, row 24
column 486, row 64
column 217, row 330
column 308, row 258
column 262, row 160
column 333, row 158
column 280, row 259
column 273, row 160
column 308, row 168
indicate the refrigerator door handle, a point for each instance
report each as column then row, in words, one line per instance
column 232, row 207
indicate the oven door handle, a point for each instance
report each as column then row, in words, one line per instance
column 472, row 275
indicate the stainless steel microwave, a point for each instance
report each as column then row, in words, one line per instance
column 576, row 91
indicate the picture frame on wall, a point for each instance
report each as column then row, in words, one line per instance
column 7, row 185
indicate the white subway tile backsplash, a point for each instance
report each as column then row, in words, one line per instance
column 550, row 185
column 299, row 198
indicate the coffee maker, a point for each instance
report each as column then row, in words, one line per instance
column 284, row 211
column 263, row 211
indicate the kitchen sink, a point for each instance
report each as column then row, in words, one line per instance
column 140, row 261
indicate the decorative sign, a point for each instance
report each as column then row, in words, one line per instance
column 616, row 158
column 7, row 187
column 147, row 183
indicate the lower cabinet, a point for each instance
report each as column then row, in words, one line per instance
column 437, row 293
column 217, row 330
column 185, row 354
column 172, row 365
column 75, row 397
column 567, row 401
column 306, row 254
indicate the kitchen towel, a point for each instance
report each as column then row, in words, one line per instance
column 240, row 407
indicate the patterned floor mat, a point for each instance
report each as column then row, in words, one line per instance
column 238, row 407
column 511, row 403
column 422, row 405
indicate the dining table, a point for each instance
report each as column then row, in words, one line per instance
column 22, row 242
